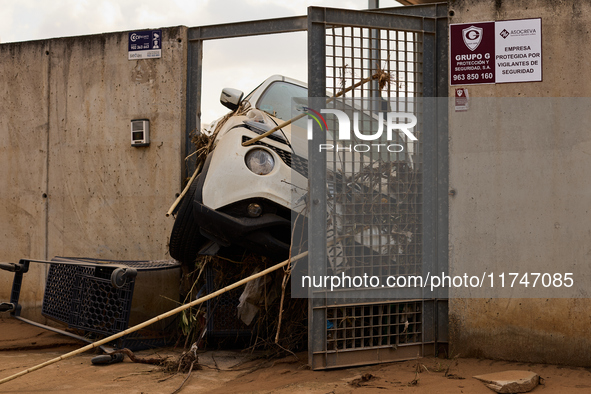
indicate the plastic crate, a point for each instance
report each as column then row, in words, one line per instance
column 82, row 297
column 59, row 286
column 79, row 293
column 99, row 307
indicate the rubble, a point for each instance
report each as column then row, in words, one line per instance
column 510, row 381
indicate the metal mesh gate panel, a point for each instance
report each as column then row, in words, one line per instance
column 364, row 326
column 374, row 187
column 369, row 186
column 356, row 53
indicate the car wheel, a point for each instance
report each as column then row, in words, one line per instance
column 185, row 238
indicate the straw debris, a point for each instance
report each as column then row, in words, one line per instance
column 266, row 324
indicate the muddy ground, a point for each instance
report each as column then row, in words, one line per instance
column 23, row 346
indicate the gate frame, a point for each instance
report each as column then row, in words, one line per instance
column 436, row 151
column 431, row 21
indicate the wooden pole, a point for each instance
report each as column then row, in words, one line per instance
column 157, row 318
column 180, row 197
column 288, row 122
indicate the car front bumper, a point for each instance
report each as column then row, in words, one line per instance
column 258, row 234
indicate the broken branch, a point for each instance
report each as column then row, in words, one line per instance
column 378, row 75
column 180, row 197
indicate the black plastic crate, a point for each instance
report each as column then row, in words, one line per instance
column 99, row 307
column 79, row 293
column 82, row 297
column 60, row 284
column 83, row 294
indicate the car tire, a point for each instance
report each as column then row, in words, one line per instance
column 185, row 238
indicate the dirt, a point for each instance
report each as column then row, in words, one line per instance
column 23, row 346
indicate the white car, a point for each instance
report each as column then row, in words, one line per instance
column 243, row 194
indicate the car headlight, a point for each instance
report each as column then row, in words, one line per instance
column 259, row 161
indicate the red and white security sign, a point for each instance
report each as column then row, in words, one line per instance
column 472, row 52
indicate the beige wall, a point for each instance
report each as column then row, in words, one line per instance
column 71, row 184
column 522, row 196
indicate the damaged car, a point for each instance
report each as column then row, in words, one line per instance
column 242, row 196
column 246, row 193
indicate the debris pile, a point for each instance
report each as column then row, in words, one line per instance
column 249, row 313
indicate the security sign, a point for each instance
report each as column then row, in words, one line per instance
column 145, row 44
column 472, row 37
column 518, row 50
column 495, row 52
column 472, row 49
column 462, row 100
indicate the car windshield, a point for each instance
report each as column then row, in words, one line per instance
column 277, row 99
column 285, row 100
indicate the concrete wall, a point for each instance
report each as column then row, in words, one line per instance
column 522, row 192
column 71, row 184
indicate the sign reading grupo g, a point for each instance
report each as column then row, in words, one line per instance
column 496, row 52
column 472, row 52
column 145, row 44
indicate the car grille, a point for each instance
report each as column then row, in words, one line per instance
column 295, row 162
column 260, row 132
